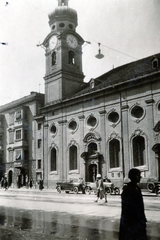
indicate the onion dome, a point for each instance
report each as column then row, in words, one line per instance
column 63, row 17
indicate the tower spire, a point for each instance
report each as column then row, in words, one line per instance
column 62, row 2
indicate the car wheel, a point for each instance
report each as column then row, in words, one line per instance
column 88, row 190
column 158, row 191
column 108, row 190
column 117, row 191
column 150, row 186
column 75, row 190
column 83, row 191
column 59, row 189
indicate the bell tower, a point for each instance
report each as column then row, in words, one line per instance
column 62, row 2
column 63, row 75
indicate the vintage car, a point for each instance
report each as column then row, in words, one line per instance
column 109, row 187
column 151, row 185
column 73, row 185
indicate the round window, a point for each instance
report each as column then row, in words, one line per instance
column 70, row 26
column 137, row 112
column 53, row 27
column 113, row 117
column 72, row 125
column 92, row 121
column 53, row 129
column 61, row 25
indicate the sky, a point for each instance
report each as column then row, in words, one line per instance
column 128, row 30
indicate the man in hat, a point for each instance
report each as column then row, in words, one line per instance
column 133, row 220
column 100, row 189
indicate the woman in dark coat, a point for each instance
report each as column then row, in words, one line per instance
column 133, row 220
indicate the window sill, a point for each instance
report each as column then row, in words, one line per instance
column 18, row 140
column 118, row 169
column 73, row 171
column 38, row 170
column 142, row 168
column 53, row 173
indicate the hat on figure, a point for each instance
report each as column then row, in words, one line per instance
column 98, row 175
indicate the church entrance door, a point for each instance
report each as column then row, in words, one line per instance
column 10, row 176
column 92, row 172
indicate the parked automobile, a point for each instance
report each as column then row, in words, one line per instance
column 150, row 185
column 153, row 186
column 73, row 185
column 109, row 187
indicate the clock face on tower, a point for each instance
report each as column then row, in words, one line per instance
column 72, row 41
column 52, row 42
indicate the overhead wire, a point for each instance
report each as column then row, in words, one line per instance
column 113, row 49
column 103, row 45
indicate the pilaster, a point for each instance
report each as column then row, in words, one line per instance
column 103, row 142
column 62, row 167
column 81, row 132
column 125, row 140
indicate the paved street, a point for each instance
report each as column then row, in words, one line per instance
column 68, row 214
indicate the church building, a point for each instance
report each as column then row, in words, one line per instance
column 77, row 129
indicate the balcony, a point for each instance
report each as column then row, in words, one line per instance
column 20, row 163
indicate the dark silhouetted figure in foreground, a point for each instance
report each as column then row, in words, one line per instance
column 133, row 220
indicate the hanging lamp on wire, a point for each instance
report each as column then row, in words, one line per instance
column 99, row 55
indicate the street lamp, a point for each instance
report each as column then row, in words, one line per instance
column 99, row 55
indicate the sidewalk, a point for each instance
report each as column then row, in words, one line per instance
column 48, row 191
column 75, row 203
column 28, row 190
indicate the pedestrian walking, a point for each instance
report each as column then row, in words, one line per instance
column 41, row 184
column 30, row 184
column 2, row 182
column 101, row 193
column 133, row 220
column 5, row 184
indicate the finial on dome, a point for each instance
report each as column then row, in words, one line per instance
column 62, row 2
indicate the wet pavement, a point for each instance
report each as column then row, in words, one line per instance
column 36, row 216
column 53, row 225
column 36, row 225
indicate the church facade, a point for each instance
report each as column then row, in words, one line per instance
column 106, row 126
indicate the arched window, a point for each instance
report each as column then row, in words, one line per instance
column 138, row 151
column 71, row 57
column 53, row 160
column 73, row 157
column 114, row 151
column 92, row 148
column 53, row 58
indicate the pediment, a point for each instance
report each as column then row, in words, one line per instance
column 92, row 136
